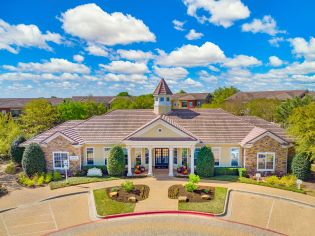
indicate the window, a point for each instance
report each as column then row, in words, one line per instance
column 175, row 104
column 4, row 112
column 156, row 99
column 161, row 99
column 138, row 156
column 59, row 158
column 265, row 161
column 190, row 104
column 90, row 156
column 126, row 155
column 167, row 99
column 15, row 112
column 184, row 156
column 106, row 155
column 198, row 103
column 175, row 156
column 147, row 156
column 197, row 150
column 235, row 156
column 184, row 104
column 216, row 154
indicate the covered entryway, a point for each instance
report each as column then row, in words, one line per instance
column 161, row 157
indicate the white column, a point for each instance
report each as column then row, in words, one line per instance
column 129, row 161
column 192, row 160
column 150, row 162
column 170, row 162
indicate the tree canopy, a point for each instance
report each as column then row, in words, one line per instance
column 220, row 94
column 9, row 130
column 263, row 108
column 140, row 102
column 123, row 94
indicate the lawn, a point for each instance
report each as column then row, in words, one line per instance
column 230, row 178
column 78, row 180
column 215, row 206
column 106, row 206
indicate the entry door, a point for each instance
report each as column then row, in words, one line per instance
column 161, row 157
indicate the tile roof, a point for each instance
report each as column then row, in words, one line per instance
column 190, row 96
column 97, row 99
column 162, row 89
column 281, row 95
column 21, row 102
column 213, row 126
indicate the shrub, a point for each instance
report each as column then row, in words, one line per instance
column 190, row 187
column 79, row 173
column 10, row 169
column 128, row 186
column 194, row 178
column 272, row 180
column 242, row 172
column 24, row 180
column 16, row 152
column 205, row 162
column 33, row 160
column 41, row 180
column 48, row 177
column 114, row 189
column 57, row 176
column 3, row 190
column 301, row 166
column 288, row 180
column 116, row 162
column 226, row 171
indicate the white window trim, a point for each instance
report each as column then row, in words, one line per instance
column 220, row 151
column 104, row 154
column 86, row 156
column 60, row 168
column 239, row 156
column 274, row 161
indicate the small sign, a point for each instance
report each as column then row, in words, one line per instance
column 258, row 176
column 73, row 158
column 299, row 182
column 65, row 164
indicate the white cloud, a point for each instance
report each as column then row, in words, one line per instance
column 20, row 76
column 213, row 68
column 266, row 25
column 12, row 37
column 205, row 76
column 223, row 13
column 55, row 65
column 275, row 61
column 242, row 61
column 191, row 82
column 97, row 50
column 192, row 55
column 126, row 67
column 135, row 55
column 171, row 73
column 78, row 58
column 20, row 87
column 91, row 23
column 275, row 41
column 193, row 35
column 178, row 25
column 303, row 48
column 135, row 78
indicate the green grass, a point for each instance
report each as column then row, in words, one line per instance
column 230, row 178
column 78, row 180
column 106, row 206
column 215, row 206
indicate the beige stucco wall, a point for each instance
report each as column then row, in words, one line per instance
column 225, row 150
column 165, row 132
column 162, row 109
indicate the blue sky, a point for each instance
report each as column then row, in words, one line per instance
column 75, row 47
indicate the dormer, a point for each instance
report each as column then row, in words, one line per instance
column 162, row 98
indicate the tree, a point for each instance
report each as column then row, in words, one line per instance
column 263, row 108
column 143, row 102
column 301, row 166
column 38, row 116
column 181, row 91
column 9, row 130
column 33, row 160
column 116, row 162
column 301, row 124
column 205, row 162
column 71, row 110
column 123, row 94
column 121, row 103
column 92, row 108
column 16, row 152
column 286, row 108
column 220, row 94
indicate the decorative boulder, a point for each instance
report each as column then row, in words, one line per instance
column 205, row 197
column 182, row 199
column 94, row 172
column 132, row 199
column 113, row 194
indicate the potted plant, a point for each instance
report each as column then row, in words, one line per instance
column 179, row 169
column 137, row 171
column 142, row 168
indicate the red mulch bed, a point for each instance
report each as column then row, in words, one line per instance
column 140, row 192
column 179, row 190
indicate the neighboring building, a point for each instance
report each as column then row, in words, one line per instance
column 189, row 100
column 280, row 95
column 166, row 137
column 106, row 100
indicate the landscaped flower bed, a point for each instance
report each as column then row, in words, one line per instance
column 176, row 191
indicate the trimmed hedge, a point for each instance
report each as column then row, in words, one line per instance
column 16, row 152
column 301, row 166
column 116, row 162
column 230, row 171
column 205, row 162
column 33, row 160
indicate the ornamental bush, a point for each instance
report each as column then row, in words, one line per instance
column 128, row 186
column 192, row 183
column 301, row 166
column 116, row 162
column 205, row 162
column 16, row 152
column 33, row 160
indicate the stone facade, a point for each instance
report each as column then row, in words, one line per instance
column 266, row 144
column 63, row 145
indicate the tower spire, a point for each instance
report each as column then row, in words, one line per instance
column 162, row 98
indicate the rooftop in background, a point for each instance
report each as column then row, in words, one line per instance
column 98, row 99
column 21, row 102
column 191, row 96
column 162, row 89
column 280, row 95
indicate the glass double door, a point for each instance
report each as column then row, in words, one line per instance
column 161, row 157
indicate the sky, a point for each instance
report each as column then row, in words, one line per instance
column 76, row 47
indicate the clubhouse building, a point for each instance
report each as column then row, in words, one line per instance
column 168, row 138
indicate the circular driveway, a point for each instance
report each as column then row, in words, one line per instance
column 164, row 224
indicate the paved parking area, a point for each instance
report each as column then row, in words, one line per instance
column 45, row 217
column 271, row 213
